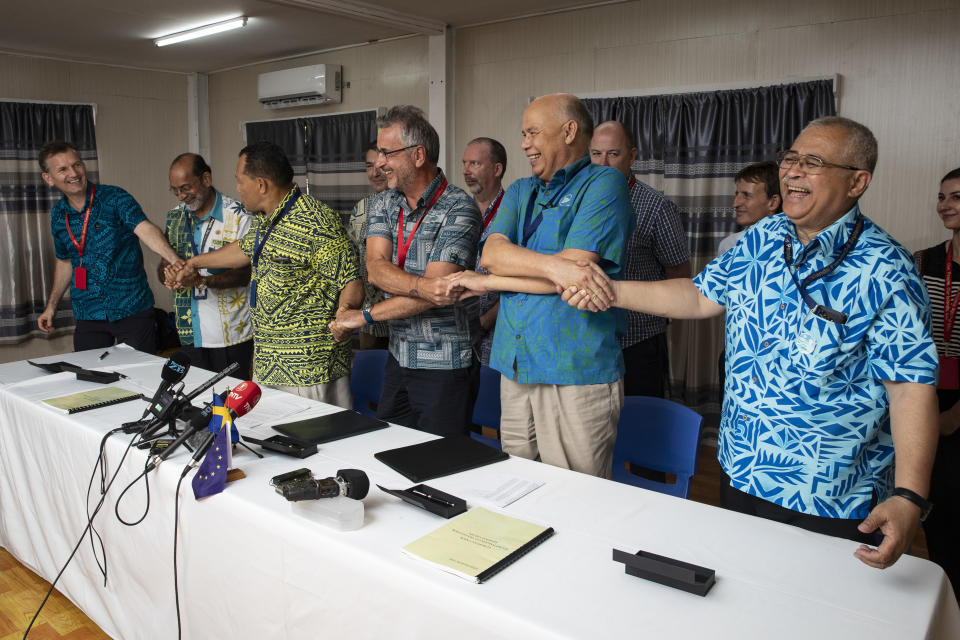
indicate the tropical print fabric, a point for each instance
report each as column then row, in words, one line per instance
column 805, row 419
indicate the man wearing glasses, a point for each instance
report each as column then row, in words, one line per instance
column 831, row 368
column 211, row 305
column 421, row 229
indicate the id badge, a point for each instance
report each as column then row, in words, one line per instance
column 199, row 293
column 949, row 373
column 253, row 294
column 80, row 278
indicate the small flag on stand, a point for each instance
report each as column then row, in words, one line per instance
column 211, row 476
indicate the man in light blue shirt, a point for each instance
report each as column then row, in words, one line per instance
column 831, row 368
column 562, row 386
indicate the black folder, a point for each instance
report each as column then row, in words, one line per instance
column 438, row 458
column 330, row 427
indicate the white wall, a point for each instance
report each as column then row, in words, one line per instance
column 141, row 127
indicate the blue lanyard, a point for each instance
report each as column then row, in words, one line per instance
column 291, row 199
column 206, row 234
column 817, row 309
column 530, row 225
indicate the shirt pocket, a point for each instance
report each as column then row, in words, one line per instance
column 818, row 348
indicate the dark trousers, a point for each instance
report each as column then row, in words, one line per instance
column 941, row 525
column 139, row 331
column 737, row 500
column 432, row 400
column 218, row 358
column 647, row 367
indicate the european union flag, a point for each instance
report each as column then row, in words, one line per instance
column 211, row 476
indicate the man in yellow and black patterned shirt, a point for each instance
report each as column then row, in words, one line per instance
column 304, row 269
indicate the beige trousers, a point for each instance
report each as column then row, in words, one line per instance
column 336, row 392
column 570, row 426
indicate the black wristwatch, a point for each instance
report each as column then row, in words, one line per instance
column 925, row 505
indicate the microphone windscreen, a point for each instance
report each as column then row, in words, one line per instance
column 358, row 484
column 175, row 369
column 243, row 398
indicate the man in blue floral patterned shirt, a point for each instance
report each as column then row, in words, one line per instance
column 831, row 368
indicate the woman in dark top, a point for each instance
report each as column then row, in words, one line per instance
column 940, row 267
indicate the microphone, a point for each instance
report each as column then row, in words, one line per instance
column 197, row 423
column 174, row 370
column 180, row 403
column 240, row 401
column 351, row 483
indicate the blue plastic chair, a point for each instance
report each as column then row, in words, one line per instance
column 658, row 435
column 486, row 410
column 366, row 380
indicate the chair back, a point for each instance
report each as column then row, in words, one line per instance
column 366, row 380
column 486, row 410
column 658, row 435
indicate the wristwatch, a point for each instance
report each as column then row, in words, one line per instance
column 925, row 505
column 366, row 315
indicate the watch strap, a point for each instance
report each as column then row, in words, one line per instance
column 367, row 316
column 924, row 504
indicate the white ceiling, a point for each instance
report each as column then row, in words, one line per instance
column 122, row 31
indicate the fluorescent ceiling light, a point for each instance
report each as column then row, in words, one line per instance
column 201, row 32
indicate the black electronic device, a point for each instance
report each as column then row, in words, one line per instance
column 440, row 457
column 287, row 446
column 351, row 483
column 290, row 476
column 667, row 571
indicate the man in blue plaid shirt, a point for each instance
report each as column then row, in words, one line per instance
column 657, row 251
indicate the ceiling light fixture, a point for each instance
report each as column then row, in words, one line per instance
column 202, row 32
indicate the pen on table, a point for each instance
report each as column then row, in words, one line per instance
column 103, row 355
column 424, row 494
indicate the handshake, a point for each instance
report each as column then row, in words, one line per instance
column 180, row 275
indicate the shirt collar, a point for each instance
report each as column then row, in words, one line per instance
column 216, row 210
column 427, row 193
column 831, row 239
column 565, row 175
column 493, row 202
column 293, row 193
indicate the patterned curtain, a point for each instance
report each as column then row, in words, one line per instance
column 690, row 146
column 27, row 257
column 326, row 151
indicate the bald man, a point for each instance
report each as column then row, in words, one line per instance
column 657, row 250
column 562, row 385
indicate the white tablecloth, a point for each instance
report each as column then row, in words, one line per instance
column 250, row 568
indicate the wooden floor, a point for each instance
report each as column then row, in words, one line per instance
column 21, row 590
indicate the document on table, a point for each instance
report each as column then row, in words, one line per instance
column 478, row 544
column 509, row 490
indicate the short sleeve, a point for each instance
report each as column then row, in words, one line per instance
column 670, row 242
column 604, row 217
column 459, row 236
column 378, row 218
column 249, row 239
column 128, row 210
column 900, row 347
column 713, row 280
column 506, row 221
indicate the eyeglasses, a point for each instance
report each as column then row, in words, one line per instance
column 810, row 164
column 184, row 189
column 386, row 154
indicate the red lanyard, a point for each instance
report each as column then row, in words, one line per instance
column 403, row 245
column 950, row 302
column 633, row 181
column 86, row 218
column 493, row 210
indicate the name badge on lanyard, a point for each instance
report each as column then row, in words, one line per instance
column 199, row 290
column 80, row 272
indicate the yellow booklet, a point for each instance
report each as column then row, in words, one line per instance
column 478, row 544
column 93, row 399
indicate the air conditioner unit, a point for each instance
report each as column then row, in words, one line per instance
column 316, row 84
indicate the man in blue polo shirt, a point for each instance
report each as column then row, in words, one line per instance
column 831, row 370
column 562, row 385
column 97, row 231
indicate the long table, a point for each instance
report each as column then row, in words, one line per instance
column 250, row 568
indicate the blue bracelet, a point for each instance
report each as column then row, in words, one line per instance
column 367, row 316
